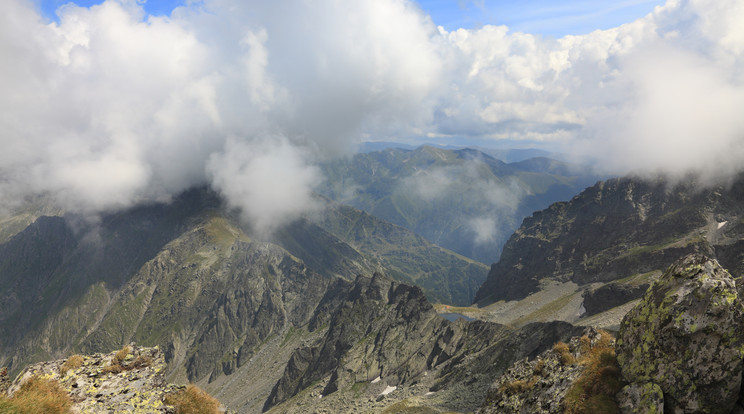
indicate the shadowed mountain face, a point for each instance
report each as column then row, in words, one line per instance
column 182, row 276
column 464, row 200
column 617, row 229
column 187, row 276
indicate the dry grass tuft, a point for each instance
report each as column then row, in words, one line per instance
column 594, row 391
column 121, row 354
column 140, row 362
column 116, row 362
column 564, row 353
column 193, row 400
column 112, row 369
column 73, row 362
column 539, row 368
column 515, row 387
column 37, row 396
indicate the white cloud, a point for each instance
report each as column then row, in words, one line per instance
column 110, row 107
column 268, row 180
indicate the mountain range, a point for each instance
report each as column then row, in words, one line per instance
column 333, row 311
column 464, row 200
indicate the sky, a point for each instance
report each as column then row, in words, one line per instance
column 546, row 17
column 106, row 105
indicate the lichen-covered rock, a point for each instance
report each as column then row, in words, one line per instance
column 687, row 336
column 641, row 399
column 4, row 381
column 127, row 381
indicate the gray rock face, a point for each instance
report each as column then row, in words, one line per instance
column 687, row 336
column 619, row 228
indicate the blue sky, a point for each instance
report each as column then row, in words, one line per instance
column 532, row 16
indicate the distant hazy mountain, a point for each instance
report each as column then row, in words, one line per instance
column 464, row 200
column 625, row 231
column 506, row 155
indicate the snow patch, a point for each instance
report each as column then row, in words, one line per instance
column 376, row 380
column 721, row 224
column 429, row 393
column 388, row 390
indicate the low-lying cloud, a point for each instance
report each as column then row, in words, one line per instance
column 467, row 195
column 110, row 107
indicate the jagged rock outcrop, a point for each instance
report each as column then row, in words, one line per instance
column 383, row 329
column 129, row 380
column 619, row 228
column 540, row 385
column 687, row 337
column 4, row 381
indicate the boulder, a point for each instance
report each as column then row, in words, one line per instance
column 687, row 336
column 641, row 399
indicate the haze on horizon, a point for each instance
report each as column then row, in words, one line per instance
column 109, row 106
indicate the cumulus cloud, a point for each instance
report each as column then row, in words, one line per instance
column 269, row 181
column 111, row 107
column 660, row 94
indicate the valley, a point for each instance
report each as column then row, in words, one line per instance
column 340, row 310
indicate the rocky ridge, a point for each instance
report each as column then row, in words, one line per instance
column 680, row 350
column 617, row 229
column 185, row 276
column 383, row 332
column 110, row 382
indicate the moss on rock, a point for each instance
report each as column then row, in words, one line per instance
column 686, row 335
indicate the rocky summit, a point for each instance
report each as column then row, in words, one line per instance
column 687, row 337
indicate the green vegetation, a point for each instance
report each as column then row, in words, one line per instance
column 445, row 276
column 193, row 400
column 37, row 396
column 547, row 311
